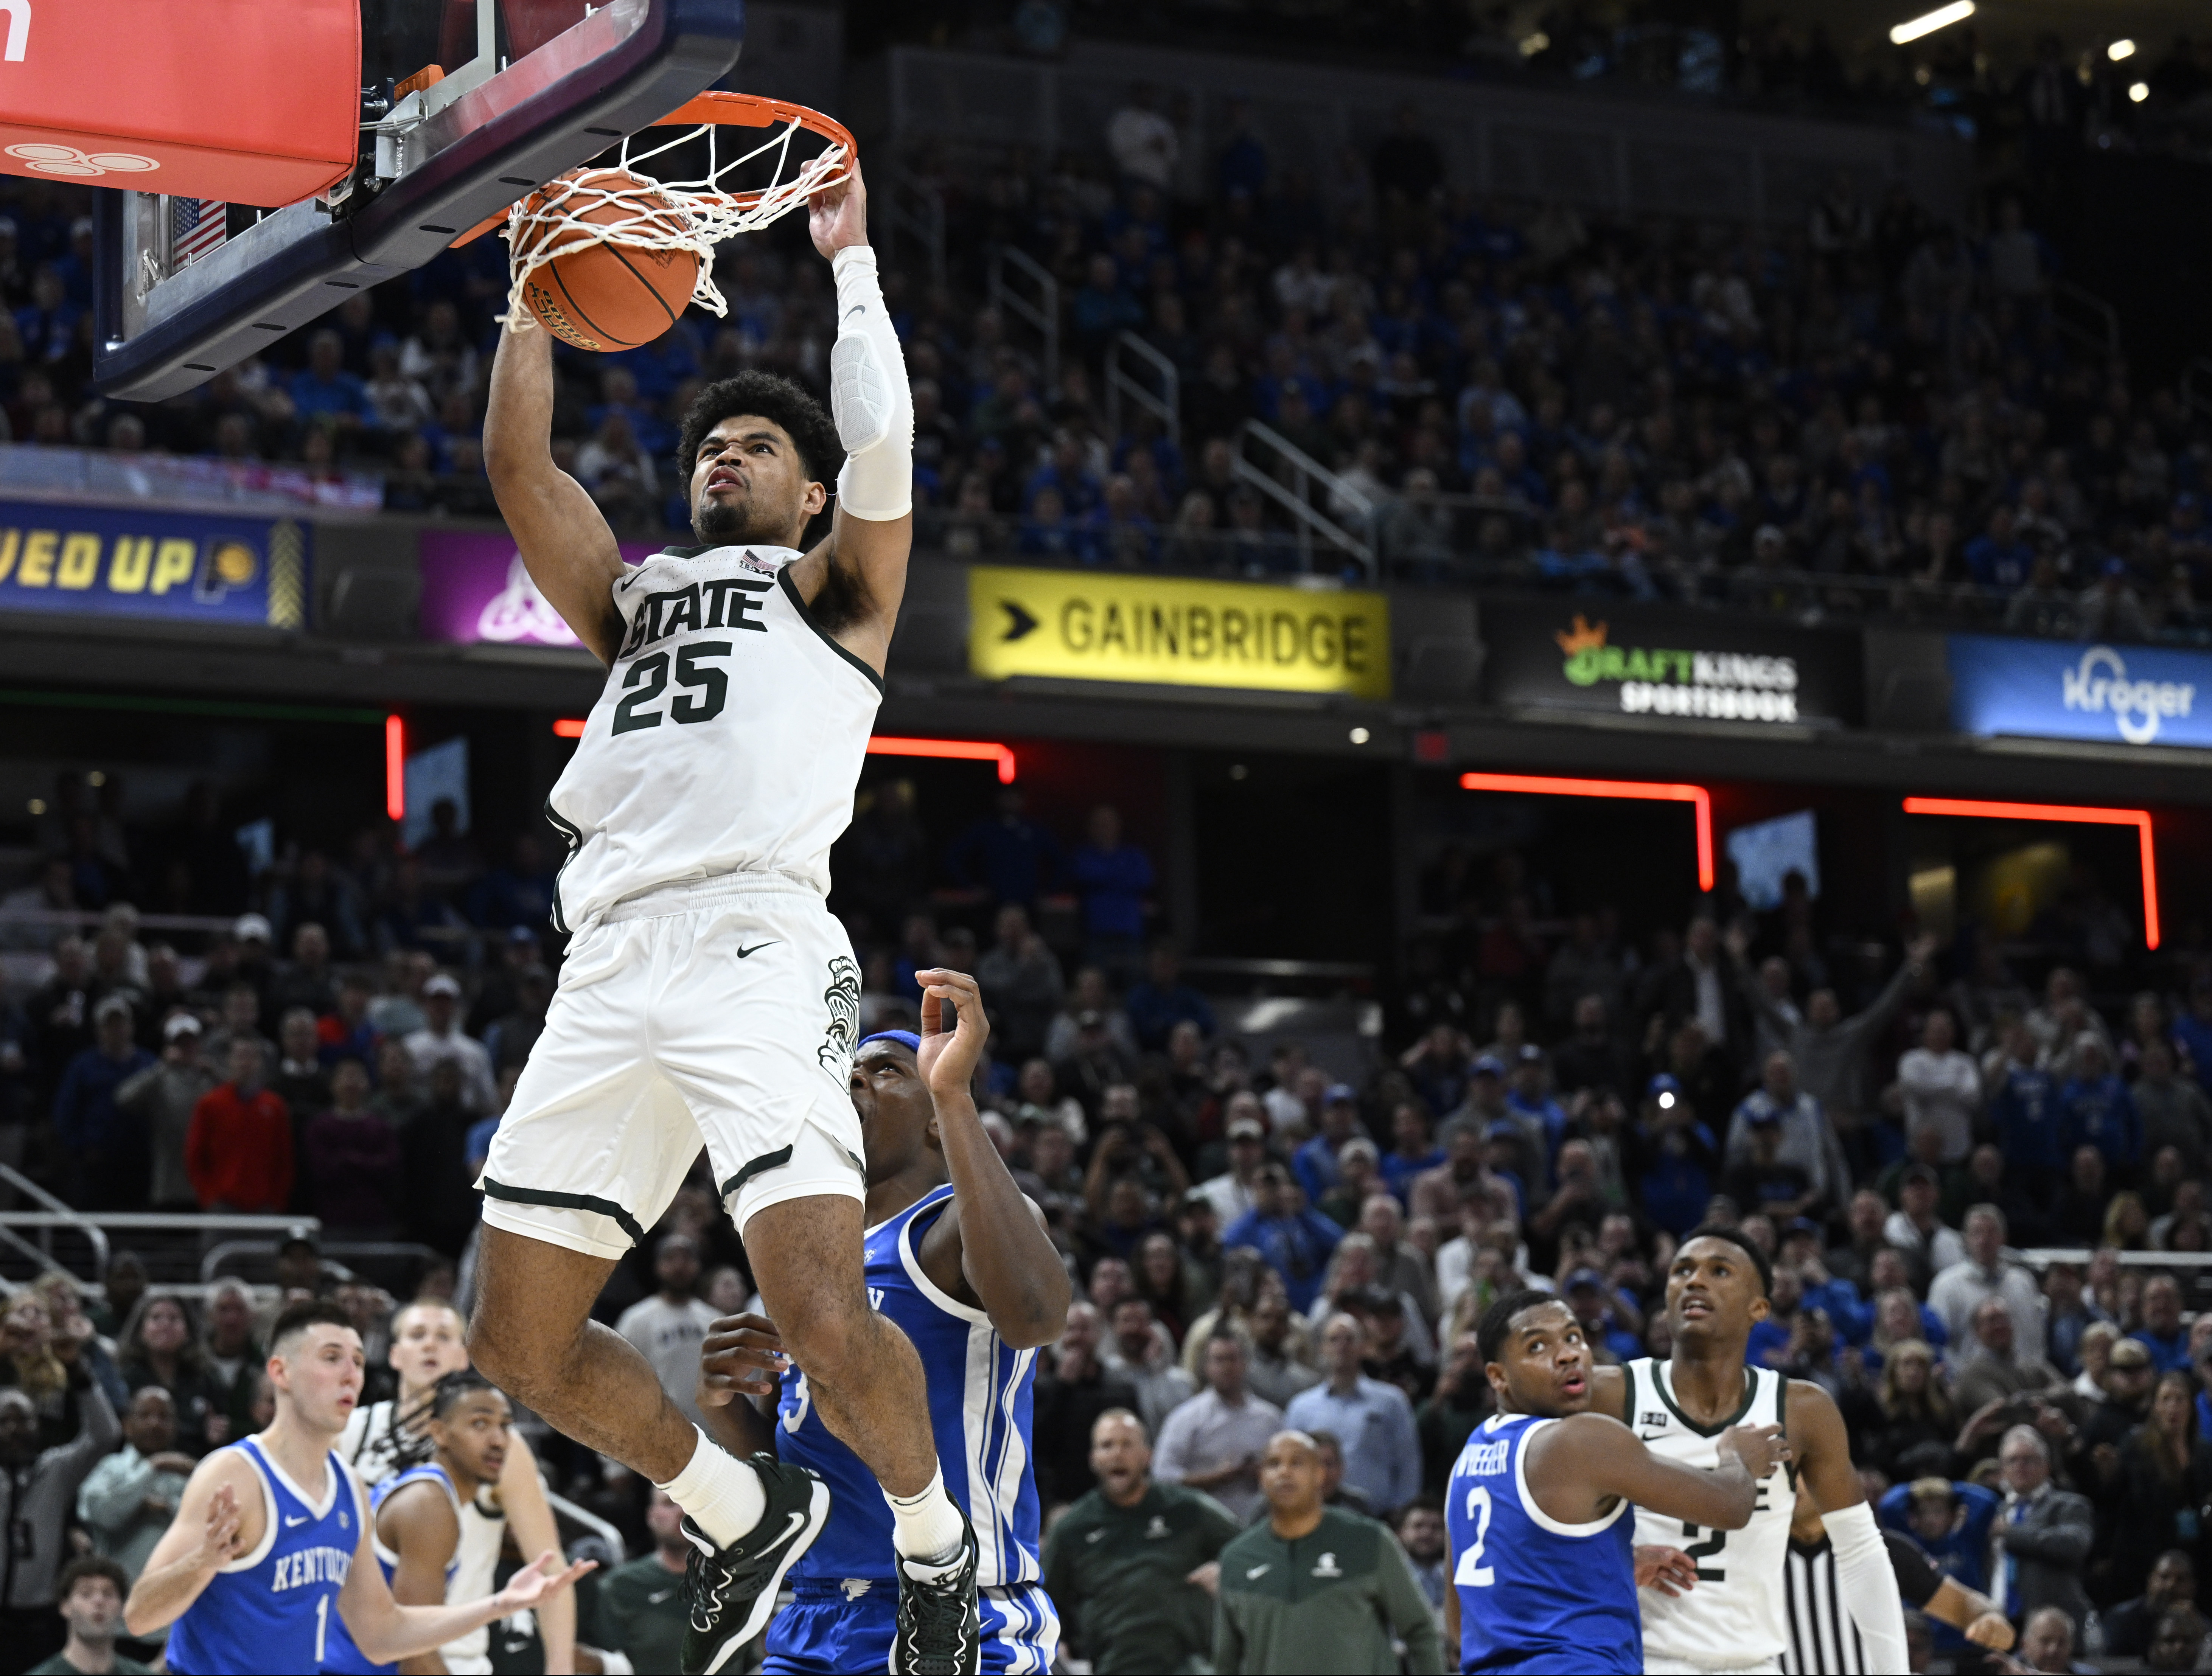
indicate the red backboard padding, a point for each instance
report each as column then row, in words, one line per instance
column 249, row 101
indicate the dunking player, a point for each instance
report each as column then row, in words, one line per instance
column 1537, row 1509
column 272, row 1537
column 708, row 993
column 1735, row 1615
column 959, row 1259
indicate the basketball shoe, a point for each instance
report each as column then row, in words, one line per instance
column 730, row 1592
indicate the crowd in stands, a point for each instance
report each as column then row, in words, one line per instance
column 1263, row 1231
column 1871, row 411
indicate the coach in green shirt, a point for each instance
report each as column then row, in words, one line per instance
column 1130, row 1566
column 1314, row 1587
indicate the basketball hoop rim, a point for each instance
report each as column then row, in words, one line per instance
column 724, row 110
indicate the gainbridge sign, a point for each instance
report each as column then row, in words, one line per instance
column 1080, row 625
column 1652, row 661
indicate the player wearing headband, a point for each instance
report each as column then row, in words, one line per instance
column 960, row 1260
column 1717, row 1601
column 708, row 994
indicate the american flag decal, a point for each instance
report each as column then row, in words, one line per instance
column 197, row 226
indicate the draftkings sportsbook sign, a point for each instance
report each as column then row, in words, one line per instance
column 1654, row 661
column 1080, row 625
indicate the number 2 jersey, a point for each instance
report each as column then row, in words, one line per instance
column 1737, row 1617
column 728, row 738
column 1535, row 1593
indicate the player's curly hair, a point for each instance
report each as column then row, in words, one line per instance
column 779, row 400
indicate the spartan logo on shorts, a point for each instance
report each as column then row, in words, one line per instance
column 842, row 998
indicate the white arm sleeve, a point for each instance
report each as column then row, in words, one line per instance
column 868, row 395
column 1868, row 1585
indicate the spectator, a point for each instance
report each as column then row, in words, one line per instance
column 441, row 1039
column 1023, row 978
column 157, row 1348
column 1070, row 1396
column 640, row 1605
column 2047, row 1642
column 1144, row 143
column 1997, row 1364
column 2096, row 1108
column 2162, row 1333
column 302, row 1081
column 2172, row 1109
column 1276, row 1370
column 434, row 1175
column 1461, row 1402
column 1113, row 878
column 162, row 1097
column 129, row 1497
column 1213, row 1441
column 1941, row 1089
column 1951, row 1521
column 1296, row 1243
column 1365, row 1600
column 1421, row 1535
column 1915, row 1229
column 2043, row 1533
column 103, row 1145
column 1315, row 1161
column 668, row 1328
column 89, row 1593
column 1986, row 1273
column 1806, row 1141
column 239, row 1148
column 37, row 1493
column 1233, row 1193
column 2179, row 1642
column 1160, row 1000
column 350, row 1159
column 1133, row 1565
column 2162, row 1477
column 2128, row 1626
column 1382, row 1451
column 1143, row 1358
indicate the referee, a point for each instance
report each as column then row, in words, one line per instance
column 1823, row 1641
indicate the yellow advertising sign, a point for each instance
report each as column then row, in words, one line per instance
column 1081, row 625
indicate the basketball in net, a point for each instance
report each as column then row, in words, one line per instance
column 598, row 291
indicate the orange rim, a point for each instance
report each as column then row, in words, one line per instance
column 724, row 110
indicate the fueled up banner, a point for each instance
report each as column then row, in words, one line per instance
column 146, row 562
column 1662, row 662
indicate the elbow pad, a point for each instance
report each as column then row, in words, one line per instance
column 1868, row 1584
column 869, row 398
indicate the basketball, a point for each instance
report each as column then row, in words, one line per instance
column 601, row 294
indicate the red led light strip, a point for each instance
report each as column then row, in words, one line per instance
column 2070, row 813
column 395, row 769
column 1643, row 791
column 966, row 751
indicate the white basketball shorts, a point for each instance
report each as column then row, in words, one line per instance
column 721, row 1012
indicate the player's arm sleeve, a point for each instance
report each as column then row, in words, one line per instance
column 869, row 396
column 1917, row 1579
column 1866, row 1581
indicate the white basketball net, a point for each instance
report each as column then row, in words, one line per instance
column 694, row 214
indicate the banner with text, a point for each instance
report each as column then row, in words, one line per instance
column 475, row 588
column 1082, row 626
column 1657, row 661
column 2062, row 690
column 146, row 562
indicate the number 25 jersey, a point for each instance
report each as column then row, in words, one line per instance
column 1737, row 1615
column 727, row 740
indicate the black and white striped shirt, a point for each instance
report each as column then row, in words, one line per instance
column 1823, row 1639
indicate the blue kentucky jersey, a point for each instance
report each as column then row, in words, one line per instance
column 276, row 1608
column 341, row 1657
column 1536, row 1593
column 979, row 1407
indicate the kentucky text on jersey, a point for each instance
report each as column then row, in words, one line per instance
column 309, row 1565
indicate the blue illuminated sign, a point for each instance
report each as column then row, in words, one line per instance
column 2065, row 689
column 147, row 563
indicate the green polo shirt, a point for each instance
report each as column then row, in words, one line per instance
column 1335, row 1600
column 1116, row 1574
column 642, row 1614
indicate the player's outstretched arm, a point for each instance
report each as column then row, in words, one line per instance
column 993, row 1241
column 1589, row 1458
column 860, row 572
column 1863, row 1576
column 558, row 529
column 419, row 1523
column 386, row 1632
column 219, row 1517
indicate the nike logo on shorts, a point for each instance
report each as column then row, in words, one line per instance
column 755, row 949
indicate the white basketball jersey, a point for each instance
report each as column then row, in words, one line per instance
column 728, row 739
column 1737, row 1617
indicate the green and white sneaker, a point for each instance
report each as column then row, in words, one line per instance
column 730, row 1592
column 939, row 1632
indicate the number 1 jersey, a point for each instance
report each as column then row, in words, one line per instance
column 1737, row 1617
column 728, row 738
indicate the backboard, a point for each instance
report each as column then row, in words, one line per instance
column 466, row 106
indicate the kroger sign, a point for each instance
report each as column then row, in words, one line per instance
column 2056, row 689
